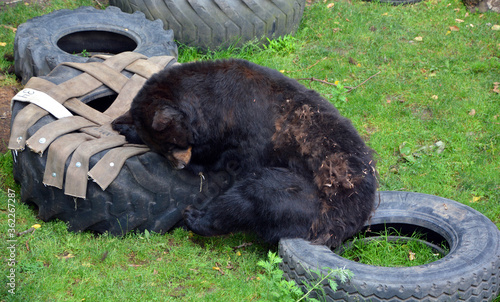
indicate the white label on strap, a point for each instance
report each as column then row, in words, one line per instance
column 42, row 100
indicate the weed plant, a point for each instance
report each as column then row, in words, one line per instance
column 421, row 74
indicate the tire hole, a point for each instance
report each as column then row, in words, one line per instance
column 393, row 238
column 87, row 43
column 101, row 104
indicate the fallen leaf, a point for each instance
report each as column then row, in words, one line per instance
column 419, row 39
column 472, row 112
column 476, row 198
column 3, row 44
column 218, row 269
column 330, row 5
column 496, row 86
column 495, row 27
column 36, row 226
column 66, row 256
column 434, row 97
column 454, row 28
column 459, row 20
column 352, row 61
column 411, row 255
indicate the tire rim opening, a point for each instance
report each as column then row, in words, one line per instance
column 394, row 245
column 101, row 104
column 88, row 43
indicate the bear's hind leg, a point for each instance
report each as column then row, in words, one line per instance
column 273, row 202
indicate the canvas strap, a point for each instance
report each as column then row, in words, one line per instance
column 82, row 131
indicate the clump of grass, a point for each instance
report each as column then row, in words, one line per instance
column 389, row 249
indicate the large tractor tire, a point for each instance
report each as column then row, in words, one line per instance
column 65, row 35
column 212, row 24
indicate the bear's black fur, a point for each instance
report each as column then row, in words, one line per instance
column 304, row 170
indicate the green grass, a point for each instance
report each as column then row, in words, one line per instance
column 439, row 89
column 390, row 249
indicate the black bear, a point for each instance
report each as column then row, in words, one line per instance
column 304, row 170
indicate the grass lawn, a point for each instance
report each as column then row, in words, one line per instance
column 419, row 85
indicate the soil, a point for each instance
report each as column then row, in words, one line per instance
column 6, row 94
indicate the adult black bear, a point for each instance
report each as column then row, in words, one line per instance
column 305, row 171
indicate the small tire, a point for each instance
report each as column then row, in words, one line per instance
column 211, row 24
column 44, row 42
column 469, row 272
column 147, row 194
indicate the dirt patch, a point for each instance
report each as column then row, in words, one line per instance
column 6, row 94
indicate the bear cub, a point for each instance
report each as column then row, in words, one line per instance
column 304, row 171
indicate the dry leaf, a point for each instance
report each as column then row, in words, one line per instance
column 454, row 28
column 472, row 112
column 330, row 5
column 66, row 256
column 9, row 27
column 496, row 87
column 411, row 255
column 475, row 198
column 434, row 97
column 419, row 39
column 459, row 20
column 495, row 27
column 3, row 44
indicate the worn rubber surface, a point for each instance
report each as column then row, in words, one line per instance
column 44, row 42
column 147, row 193
column 219, row 23
column 469, row 272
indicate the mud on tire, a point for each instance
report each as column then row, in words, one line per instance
column 469, row 272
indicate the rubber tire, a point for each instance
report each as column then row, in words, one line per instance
column 146, row 194
column 469, row 272
column 44, row 42
column 212, row 24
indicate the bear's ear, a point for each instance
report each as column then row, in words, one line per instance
column 165, row 117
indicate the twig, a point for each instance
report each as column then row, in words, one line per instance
column 242, row 245
column 309, row 67
column 30, row 230
column 351, row 89
column 102, row 6
column 321, row 81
